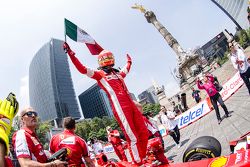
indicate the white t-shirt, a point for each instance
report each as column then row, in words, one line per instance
column 168, row 123
column 97, row 147
column 241, row 57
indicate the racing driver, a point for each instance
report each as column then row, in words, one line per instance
column 126, row 113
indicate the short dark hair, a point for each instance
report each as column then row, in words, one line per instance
column 69, row 123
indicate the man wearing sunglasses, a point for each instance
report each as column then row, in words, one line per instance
column 240, row 62
column 28, row 149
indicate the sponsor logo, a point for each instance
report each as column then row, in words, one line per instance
column 191, row 116
column 110, row 77
column 221, row 161
column 238, row 158
column 24, row 151
column 69, row 140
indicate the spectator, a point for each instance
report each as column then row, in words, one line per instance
column 91, row 150
column 196, row 95
column 168, row 120
column 97, row 145
column 28, row 149
column 208, row 85
column 150, row 123
column 177, row 108
column 240, row 62
column 116, row 141
column 152, row 127
column 76, row 146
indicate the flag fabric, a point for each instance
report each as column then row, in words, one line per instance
column 79, row 35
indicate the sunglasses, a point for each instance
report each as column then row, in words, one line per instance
column 30, row 114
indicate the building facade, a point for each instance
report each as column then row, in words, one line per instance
column 216, row 47
column 148, row 96
column 50, row 85
column 237, row 9
column 95, row 103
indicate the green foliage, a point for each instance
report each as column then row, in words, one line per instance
column 224, row 59
column 243, row 37
column 96, row 128
column 42, row 132
column 153, row 108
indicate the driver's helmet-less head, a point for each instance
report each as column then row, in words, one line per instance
column 106, row 58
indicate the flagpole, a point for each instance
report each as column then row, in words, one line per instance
column 65, row 38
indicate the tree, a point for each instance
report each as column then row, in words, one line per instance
column 96, row 128
column 42, row 132
column 153, row 108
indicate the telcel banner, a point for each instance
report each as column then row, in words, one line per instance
column 193, row 114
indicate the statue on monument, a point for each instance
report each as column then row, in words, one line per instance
column 185, row 60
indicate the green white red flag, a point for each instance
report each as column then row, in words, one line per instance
column 79, row 35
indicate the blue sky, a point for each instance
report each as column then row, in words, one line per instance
column 26, row 25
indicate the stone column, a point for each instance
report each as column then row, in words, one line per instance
column 172, row 42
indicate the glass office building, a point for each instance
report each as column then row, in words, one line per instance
column 148, row 96
column 50, row 85
column 95, row 103
column 237, row 9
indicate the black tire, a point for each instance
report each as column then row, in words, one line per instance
column 202, row 148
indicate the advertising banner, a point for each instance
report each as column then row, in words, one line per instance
column 193, row 114
column 108, row 148
column 231, row 86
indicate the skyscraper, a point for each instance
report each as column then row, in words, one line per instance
column 95, row 103
column 148, row 96
column 237, row 9
column 50, row 85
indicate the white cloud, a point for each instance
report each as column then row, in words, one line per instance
column 23, row 97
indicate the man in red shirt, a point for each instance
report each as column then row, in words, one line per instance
column 28, row 149
column 76, row 146
column 115, row 140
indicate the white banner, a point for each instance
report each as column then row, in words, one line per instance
column 193, row 114
column 231, row 86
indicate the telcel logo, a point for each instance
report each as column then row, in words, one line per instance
column 192, row 115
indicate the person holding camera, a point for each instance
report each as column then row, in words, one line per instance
column 207, row 83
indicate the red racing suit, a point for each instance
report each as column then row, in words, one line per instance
column 27, row 145
column 76, row 146
column 126, row 113
column 114, row 139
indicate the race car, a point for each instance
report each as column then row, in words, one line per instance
column 202, row 152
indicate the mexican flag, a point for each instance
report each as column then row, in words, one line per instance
column 79, row 35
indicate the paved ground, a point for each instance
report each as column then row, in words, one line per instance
column 230, row 128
